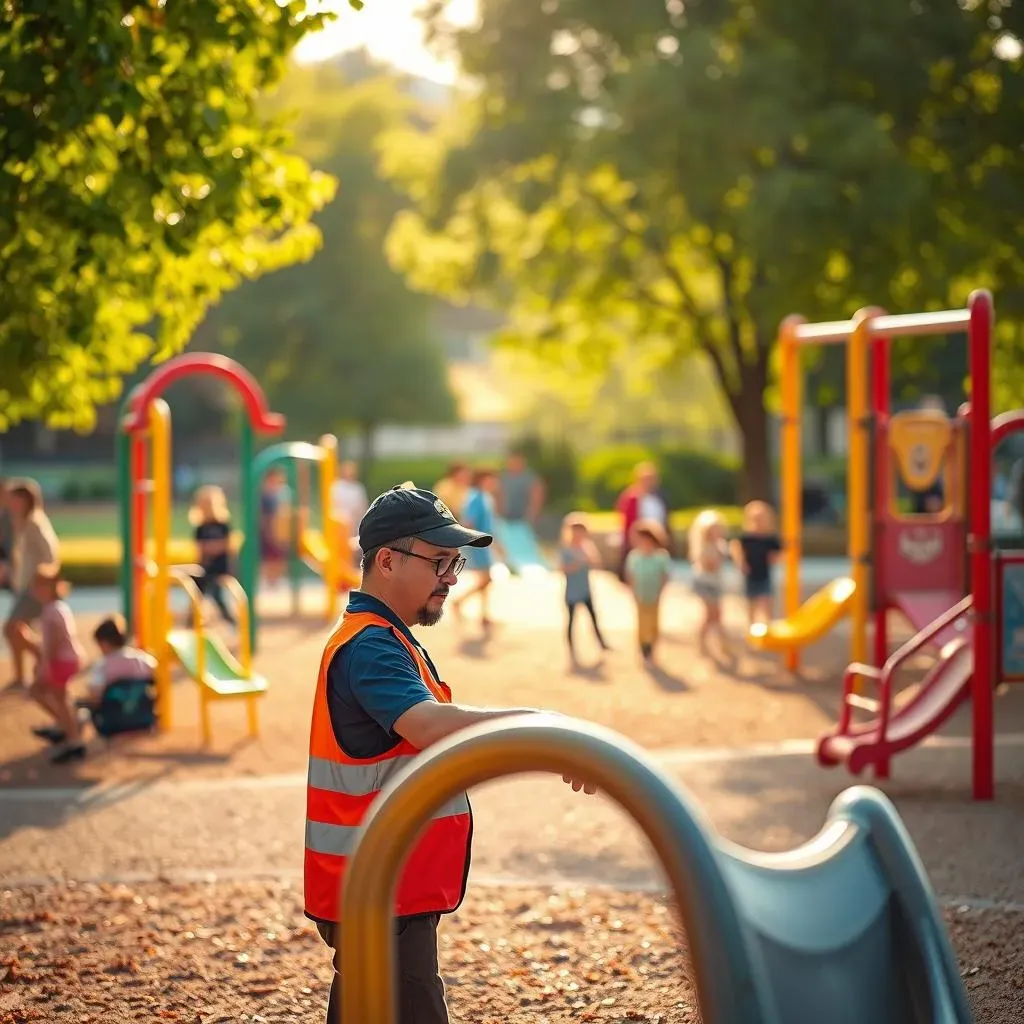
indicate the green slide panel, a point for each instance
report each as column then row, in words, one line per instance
column 221, row 673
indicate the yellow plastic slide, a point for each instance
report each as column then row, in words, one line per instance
column 313, row 549
column 811, row 621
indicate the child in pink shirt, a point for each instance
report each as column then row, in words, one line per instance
column 60, row 658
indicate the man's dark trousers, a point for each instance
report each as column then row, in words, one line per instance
column 420, row 989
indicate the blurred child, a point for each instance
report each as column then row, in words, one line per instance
column 273, row 554
column 577, row 556
column 478, row 514
column 59, row 659
column 118, row 660
column 211, row 520
column 755, row 551
column 707, row 552
column 647, row 571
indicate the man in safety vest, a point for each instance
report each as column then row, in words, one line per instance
column 379, row 701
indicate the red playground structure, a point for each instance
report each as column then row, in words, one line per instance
column 936, row 565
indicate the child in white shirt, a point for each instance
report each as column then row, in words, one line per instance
column 119, row 661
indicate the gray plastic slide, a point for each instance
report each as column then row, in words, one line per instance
column 842, row 930
column 847, row 926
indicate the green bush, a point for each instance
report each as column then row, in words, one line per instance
column 101, row 490
column 691, row 479
column 830, row 471
column 605, row 473
column 71, row 492
column 383, row 474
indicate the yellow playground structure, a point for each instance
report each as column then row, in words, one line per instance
column 805, row 623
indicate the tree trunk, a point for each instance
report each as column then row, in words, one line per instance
column 755, row 474
column 756, row 479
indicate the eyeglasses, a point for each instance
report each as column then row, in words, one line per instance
column 448, row 565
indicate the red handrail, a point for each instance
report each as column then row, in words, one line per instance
column 912, row 646
column 884, row 675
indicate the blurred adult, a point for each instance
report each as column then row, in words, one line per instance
column 379, row 701
column 35, row 544
column 520, row 496
column 643, row 499
column 6, row 538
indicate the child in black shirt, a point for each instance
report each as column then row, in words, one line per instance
column 211, row 519
column 755, row 552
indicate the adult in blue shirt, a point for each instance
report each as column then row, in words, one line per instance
column 377, row 698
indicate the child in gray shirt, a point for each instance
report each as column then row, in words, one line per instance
column 577, row 556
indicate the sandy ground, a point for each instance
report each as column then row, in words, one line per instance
column 563, row 920
column 686, row 701
column 210, row 954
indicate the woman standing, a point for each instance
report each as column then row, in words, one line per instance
column 35, row 544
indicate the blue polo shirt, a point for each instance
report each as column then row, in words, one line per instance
column 372, row 681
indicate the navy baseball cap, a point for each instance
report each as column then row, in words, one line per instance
column 414, row 512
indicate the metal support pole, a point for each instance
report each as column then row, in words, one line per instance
column 979, row 544
column 791, row 379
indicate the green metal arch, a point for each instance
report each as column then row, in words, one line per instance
column 287, row 453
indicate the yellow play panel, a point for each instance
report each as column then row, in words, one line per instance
column 106, row 551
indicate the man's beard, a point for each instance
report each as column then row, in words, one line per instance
column 428, row 616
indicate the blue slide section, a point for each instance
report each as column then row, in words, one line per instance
column 519, row 545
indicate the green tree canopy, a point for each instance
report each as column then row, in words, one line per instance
column 137, row 184
column 341, row 343
column 684, row 175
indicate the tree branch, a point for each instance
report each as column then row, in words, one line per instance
column 656, row 244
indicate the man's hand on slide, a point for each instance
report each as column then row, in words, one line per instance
column 578, row 784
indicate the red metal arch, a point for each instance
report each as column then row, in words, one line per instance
column 263, row 420
column 1005, row 424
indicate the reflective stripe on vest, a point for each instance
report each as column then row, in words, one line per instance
column 340, row 790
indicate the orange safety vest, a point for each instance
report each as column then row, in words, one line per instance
column 340, row 790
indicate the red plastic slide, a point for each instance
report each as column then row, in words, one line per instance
column 942, row 691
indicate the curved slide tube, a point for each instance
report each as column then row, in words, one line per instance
column 313, row 551
column 811, row 621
